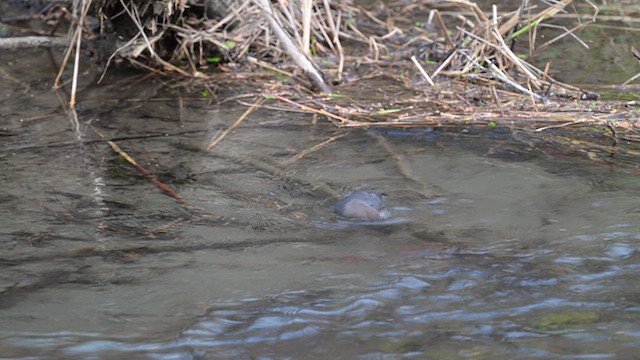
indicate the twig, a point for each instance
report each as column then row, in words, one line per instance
column 631, row 79
column 567, row 32
column 374, row 45
column 497, row 73
column 558, row 125
column 533, row 101
column 268, row 66
column 421, row 69
column 319, row 112
column 216, row 140
column 445, row 63
column 77, row 30
column 29, row 42
column 614, row 133
column 402, row 165
column 496, row 99
column 155, row 180
column 636, row 54
column 535, row 19
column 310, row 150
column 443, row 29
column 290, row 48
column 335, row 29
column 474, row 7
column 307, row 6
column 76, row 63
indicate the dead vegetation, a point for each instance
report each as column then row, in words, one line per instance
column 406, row 64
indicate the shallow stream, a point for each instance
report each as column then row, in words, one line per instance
column 498, row 246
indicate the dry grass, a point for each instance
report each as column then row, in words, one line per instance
column 350, row 51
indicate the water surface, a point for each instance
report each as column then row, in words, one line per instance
column 502, row 249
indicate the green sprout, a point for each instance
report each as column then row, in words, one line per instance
column 214, row 60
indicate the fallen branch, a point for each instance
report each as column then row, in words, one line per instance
column 32, row 42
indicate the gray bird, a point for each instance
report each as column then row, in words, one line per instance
column 365, row 205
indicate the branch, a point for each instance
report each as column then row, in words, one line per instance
column 292, row 50
column 32, row 42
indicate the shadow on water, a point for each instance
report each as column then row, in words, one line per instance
column 520, row 248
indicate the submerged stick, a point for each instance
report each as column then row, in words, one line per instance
column 216, row 140
column 310, row 150
column 402, row 165
column 156, row 181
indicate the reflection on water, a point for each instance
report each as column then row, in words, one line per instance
column 518, row 252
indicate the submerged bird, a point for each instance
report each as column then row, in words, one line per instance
column 365, row 205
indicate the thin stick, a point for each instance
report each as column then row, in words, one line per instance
column 76, row 35
column 155, row 180
column 504, row 48
column 216, row 140
column 306, row 26
column 421, row 69
column 31, row 42
column 402, row 165
column 308, row 151
column 497, row 73
column 533, row 101
column 535, row 19
column 320, row 112
column 569, row 32
column 444, row 63
column 374, row 45
column 336, row 39
column 630, row 80
column 558, row 126
column 335, row 29
column 496, row 99
column 444, row 30
column 545, row 73
column 267, row 66
column 477, row 12
column 292, row 50
column 65, row 59
column 76, row 63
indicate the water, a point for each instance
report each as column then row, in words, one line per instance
column 531, row 258
column 495, row 248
